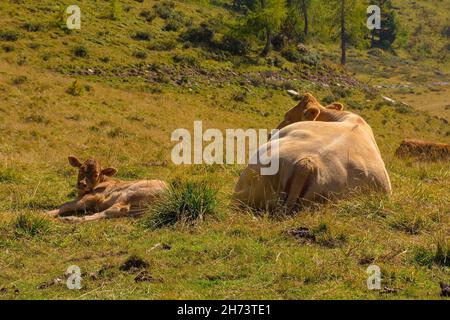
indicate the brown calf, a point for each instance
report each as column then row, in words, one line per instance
column 424, row 150
column 105, row 197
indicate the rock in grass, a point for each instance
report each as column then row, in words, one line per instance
column 293, row 93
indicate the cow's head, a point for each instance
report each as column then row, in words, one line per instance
column 90, row 174
column 308, row 109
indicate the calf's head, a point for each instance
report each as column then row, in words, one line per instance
column 309, row 109
column 90, row 174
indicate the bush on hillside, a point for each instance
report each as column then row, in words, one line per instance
column 235, row 45
column 201, row 34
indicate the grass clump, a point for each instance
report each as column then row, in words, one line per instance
column 438, row 253
column 148, row 15
column 32, row 27
column 9, row 36
column 116, row 10
column 19, row 80
column 409, row 222
column 185, row 202
column 140, row 54
column 201, row 34
column 186, row 60
column 324, row 236
column 75, row 89
column 164, row 45
column 30, row 225
column 80, row 51
column 141, row 36
column 164, row 9
column 8, row 175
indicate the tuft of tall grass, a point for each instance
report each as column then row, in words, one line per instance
column 411, row 223
column 185, row 202
column 438, row 253
column 30, row 225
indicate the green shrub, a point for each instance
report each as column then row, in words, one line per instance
column 164, row 9
column 172, row 25
column 163, row 45
column 404, row 109
column 291, row 54
column 80, row 51
column 9, row 35
column 311, row 59
column 328, row 100
column 75, row 89
column 235, row 45
column 239, row 96
column 340, row 92
column 141, row 36
column 32, row 27
column 20, row 80
column 184, row 202
column 148, row 15
column 355, row 105
column 201, row 34
column 278, row 42
column 140, row 54
column 7, row 48
column 30, row 225
column 186, row 60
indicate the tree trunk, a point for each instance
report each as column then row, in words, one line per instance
column 305, row 16
column 266, row 50
column 343, row 34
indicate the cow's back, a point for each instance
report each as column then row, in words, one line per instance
column 344, row 156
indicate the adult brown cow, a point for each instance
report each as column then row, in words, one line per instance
column 424, row 150
column 105, row 197
column 323, row 152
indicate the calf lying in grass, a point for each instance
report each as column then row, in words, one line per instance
column 105, row 197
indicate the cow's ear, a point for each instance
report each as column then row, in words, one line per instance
column 311, row 113
column 336, row 106
column 74, row 162
column 109, row 172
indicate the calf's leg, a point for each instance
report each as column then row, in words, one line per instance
column 88, row 202
column 116, row 211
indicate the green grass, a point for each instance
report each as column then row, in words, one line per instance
column 30, row 225
column 185, row 202
column 122, row 110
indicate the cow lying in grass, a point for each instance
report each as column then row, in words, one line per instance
column 323, row 152
column 105, row 197
column 428, row 151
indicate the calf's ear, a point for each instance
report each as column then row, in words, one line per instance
column 74, row 162
column 336, row 106
column 311, row 113
column 109, row 172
